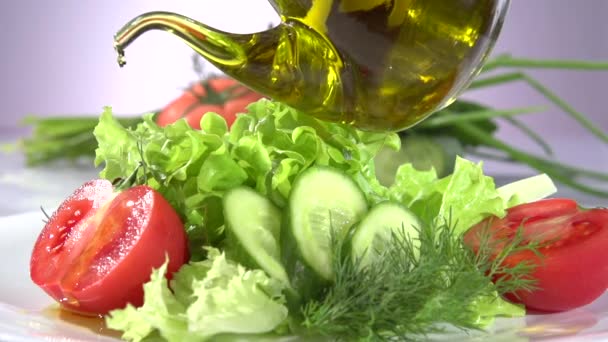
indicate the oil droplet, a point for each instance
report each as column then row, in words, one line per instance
column 122, row 61
column 121, row 54
column 70, row 301
column 95, row 324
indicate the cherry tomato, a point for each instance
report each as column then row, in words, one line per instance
column 573, row 242
column 221, row 95
column 100, row 246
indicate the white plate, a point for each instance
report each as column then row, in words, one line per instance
column 25, row 314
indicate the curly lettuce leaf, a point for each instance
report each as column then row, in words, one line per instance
column 207, row 298
column 275, row 143
column 470, row 196
column 161, row 311
column 465, row 197
column 117, row 147
column 230, row 299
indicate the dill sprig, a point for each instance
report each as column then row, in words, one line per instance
column 493, row 251
column 400, row 296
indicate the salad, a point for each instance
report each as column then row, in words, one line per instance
column 275, row 224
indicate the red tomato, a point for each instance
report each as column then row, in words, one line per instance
column 227, row 98
column 99, row 248
column 573, row 270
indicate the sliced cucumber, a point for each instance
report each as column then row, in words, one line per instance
column 323, row 200
column 255, row 223
column 376, row 229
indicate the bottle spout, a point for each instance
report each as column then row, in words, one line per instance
column 218, row 47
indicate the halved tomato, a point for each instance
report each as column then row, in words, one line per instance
column 573, row 242
column 100, row 246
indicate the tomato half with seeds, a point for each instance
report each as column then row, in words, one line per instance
column 101, row 245
column 572, row 270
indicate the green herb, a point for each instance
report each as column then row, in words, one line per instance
column 400, row 297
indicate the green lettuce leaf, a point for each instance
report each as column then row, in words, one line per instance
column 161, row 312
column 207, row 298
column 230, row 299
column 117, row 147
column 464, row 198
column 470, row 196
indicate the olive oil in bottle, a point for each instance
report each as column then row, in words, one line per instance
column 376, row 64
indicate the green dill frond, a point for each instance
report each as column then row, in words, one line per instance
column 400, row 297
column 508, row 278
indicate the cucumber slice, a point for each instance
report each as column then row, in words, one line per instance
column 375, row 231
column 256, row 224
column 322, row 200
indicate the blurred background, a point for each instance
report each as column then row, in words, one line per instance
column 57, row 59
